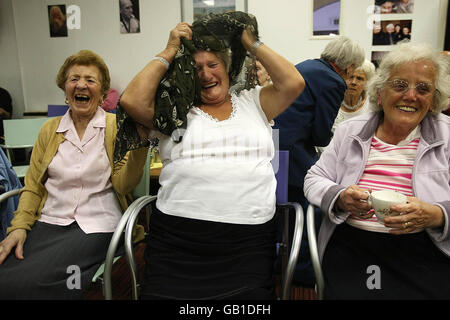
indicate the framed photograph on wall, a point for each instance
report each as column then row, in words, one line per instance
column 193, row 9
column 394, row 6
column 326, row 18
column 57, row 20
column 376, row 57
column 129, row 16
column 390, row 32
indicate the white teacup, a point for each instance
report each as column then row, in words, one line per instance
column 382, row 200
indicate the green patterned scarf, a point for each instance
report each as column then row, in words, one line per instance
column 179, row 90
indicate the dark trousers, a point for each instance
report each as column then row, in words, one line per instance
column 360, row 264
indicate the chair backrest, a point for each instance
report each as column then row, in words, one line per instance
column 22, row 133
column 280, row 164
column 55, row 110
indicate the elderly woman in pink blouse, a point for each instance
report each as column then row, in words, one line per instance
column 74, row 194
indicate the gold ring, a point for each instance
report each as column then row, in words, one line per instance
column 407, row 224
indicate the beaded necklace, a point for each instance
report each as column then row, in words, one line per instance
column 355, row 107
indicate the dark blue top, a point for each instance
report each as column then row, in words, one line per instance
column 308, row 121
column 9, row 181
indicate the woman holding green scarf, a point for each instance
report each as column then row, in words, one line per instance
column 212, row 235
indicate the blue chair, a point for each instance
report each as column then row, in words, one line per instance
column 280, row 164
column 55, row 110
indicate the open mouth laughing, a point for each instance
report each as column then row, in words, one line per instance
column 407, row 108
column 209, row 85
column 82, row 98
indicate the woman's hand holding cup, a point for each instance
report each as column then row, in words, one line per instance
column 355, row 200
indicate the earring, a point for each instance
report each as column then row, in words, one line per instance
column 66, row 101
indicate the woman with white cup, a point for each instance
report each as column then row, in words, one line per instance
column 404, row 147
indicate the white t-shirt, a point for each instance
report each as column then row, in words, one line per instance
column 221, row 170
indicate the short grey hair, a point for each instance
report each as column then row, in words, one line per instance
column 408, row 53
column 343, row 52
column 369, row 70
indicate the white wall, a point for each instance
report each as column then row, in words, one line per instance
column 286, row 25
column 125, row 54
column 33, row 58
column 10, row 76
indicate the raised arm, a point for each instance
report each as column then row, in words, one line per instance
column 287, row 82
column 138, row 99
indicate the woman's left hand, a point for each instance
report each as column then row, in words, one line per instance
column 247, row 39
column 415, row 215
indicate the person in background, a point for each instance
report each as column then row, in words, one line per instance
column 398, row 36
column 111, row 101
column 73, row 196
column 128, row 22
column 406, row 33
column 308, row 121
column 405, row 147
column 212, row 235
column 5, row 110
column 356, row 100
column 379, row 36
column 384, row 6
column 404, row 6
column 390, row 35
column 58, row 26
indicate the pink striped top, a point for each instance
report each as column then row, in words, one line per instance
column 388, row 167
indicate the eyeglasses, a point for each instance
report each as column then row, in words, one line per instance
column 402, row 86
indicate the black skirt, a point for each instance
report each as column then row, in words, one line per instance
column 196, row 259
column 360, row 264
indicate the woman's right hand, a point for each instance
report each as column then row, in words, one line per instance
column 15, row 239
column 182, row 30
column 354, row 200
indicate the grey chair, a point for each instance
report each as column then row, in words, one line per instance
column 314, row 252
column 141, row 194
column 129, row 219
